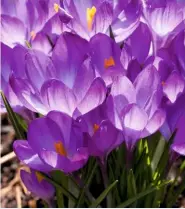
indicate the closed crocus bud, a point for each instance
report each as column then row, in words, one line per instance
column 36, row 184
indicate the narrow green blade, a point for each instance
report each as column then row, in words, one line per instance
column 13, row 118
column 103, row 195
column 140, row 195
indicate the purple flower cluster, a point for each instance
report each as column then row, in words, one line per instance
column 101, row 72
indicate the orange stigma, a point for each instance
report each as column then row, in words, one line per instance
column 109, row 62
column 33, row 35
column 39, row 176
column 59, row 147
column 95, row 127
column 90, row 16
column 163, row 83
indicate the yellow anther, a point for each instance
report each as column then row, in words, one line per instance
column 59, row 147
column 56, row 7
column 163, row 83
column 32, row 34
column 39, row 176
column 95, row 127
column 90, row 16
column 109, row 62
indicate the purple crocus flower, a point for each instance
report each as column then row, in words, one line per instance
column 36, row 184
column 89, row 17
column 55, row 142
column 179, row 140
column 165, row 22
column 135, row 108
column 103, row 136
column 22, row 22
column 106, row 57
column 172, row 81
column 12, row 98
column 65, row 83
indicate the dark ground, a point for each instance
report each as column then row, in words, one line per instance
column 13, row 192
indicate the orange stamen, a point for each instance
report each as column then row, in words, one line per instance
column 39, row 176
column 109, row 62
column 59, row 147
column 90, row 16
column 95, row 127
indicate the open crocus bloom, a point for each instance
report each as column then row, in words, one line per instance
column 22, row 22
column 65, row 83
column 55, row 142
column 165, row 22
column 135, row 108
column 36, row 184
column 103, row 136
column 89, row 17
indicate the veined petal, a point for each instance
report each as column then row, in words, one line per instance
column 28, row 156
column 94, row 97
column 57, row 96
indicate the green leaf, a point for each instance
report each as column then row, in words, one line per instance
column 61, row 179
column 87, row 183
column 140, row 195
column 13, row 118
column 103, row 195
column 158, row 153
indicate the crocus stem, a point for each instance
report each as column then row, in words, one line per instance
column 81, row 185
column 103, row 167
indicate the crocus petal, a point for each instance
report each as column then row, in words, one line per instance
column 39, row 139
column 146, row 83
column 103, row 18
column 42, row 189
column 140, row 49
column 57, row 96
column 127, row 21
column 84, row 79
column 164, row 20
column 123, row 93
column 94, row 97
column 173, row 86
column 103, row 48
column 105, row 139
column 28, row 156
column 26, row 94
column 73, row 50
column 41, row 43
column 134, row 68
column 134, row 120
column 39, row 68
column 154, row 123
column 12, row 31
column 63, row 163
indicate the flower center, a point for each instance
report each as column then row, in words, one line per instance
column 56, row 7
column 90, row 16
column 59, row 147
column 109, row 62
column 163, row 83
column 39, row 176
column 95, row 127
